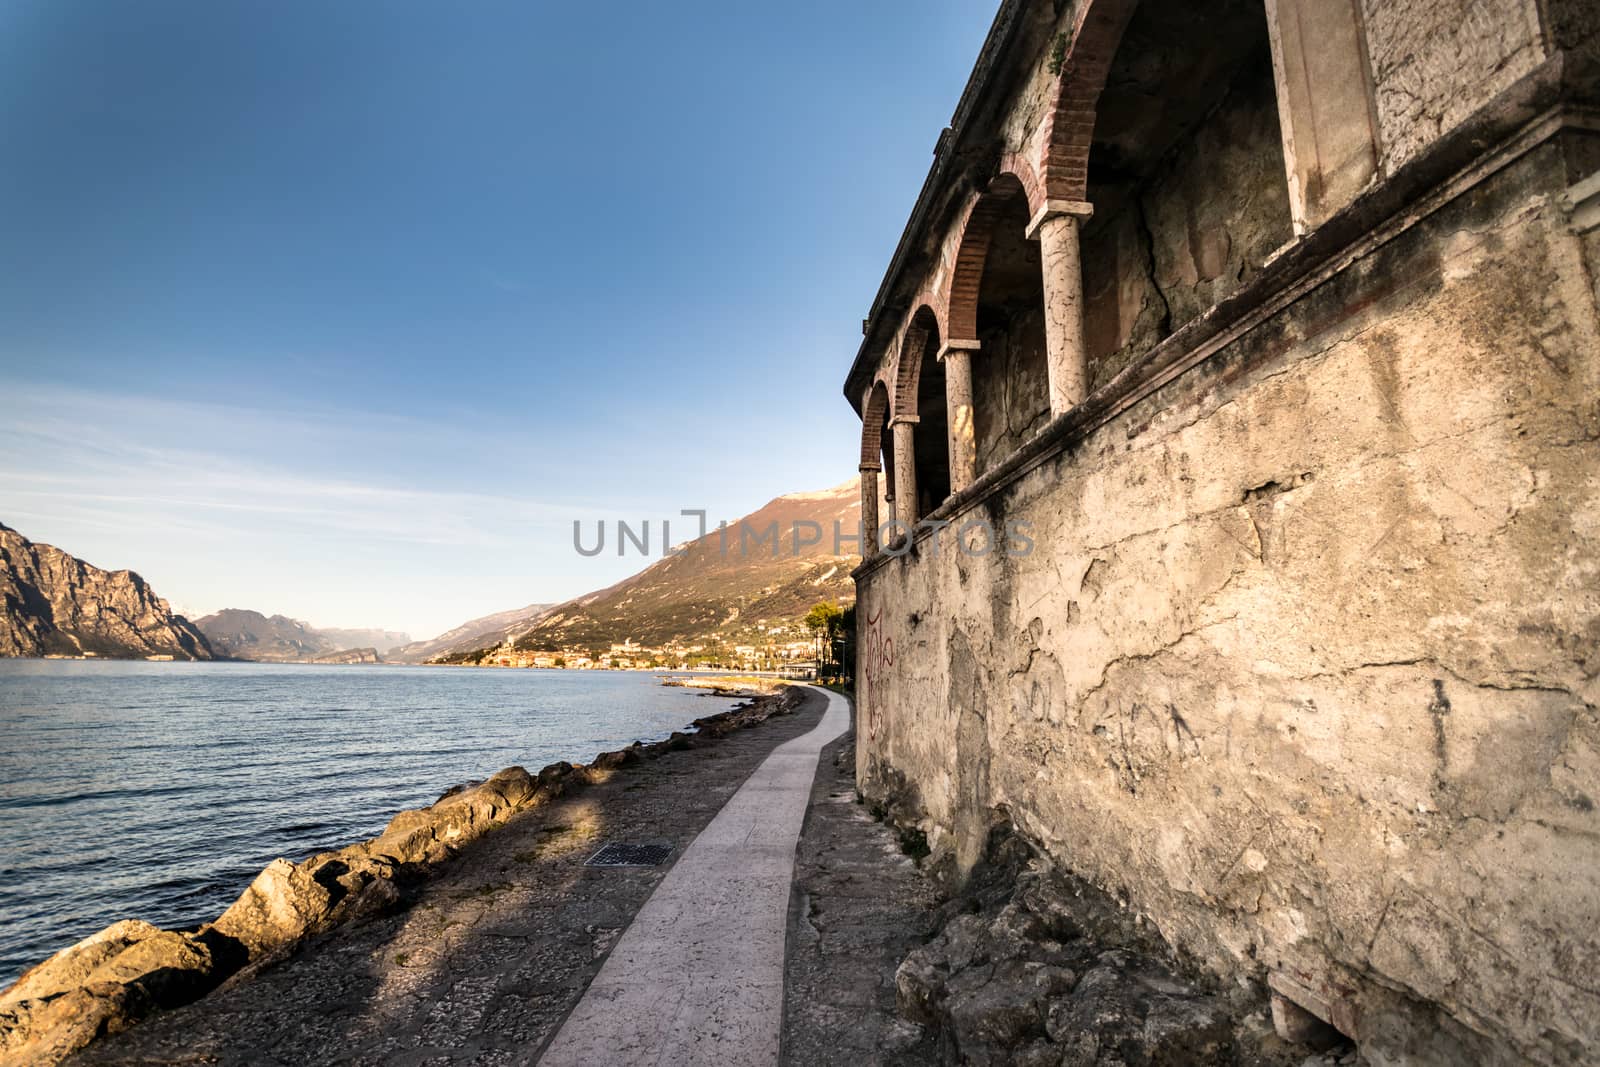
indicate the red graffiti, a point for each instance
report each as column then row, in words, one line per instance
column 877, row 658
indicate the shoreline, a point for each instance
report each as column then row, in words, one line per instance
column 132, row 969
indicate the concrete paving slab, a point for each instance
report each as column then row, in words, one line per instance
column 698, row 976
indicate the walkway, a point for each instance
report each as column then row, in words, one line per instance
column 698, row 976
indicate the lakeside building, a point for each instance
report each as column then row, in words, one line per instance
column 1274, row 323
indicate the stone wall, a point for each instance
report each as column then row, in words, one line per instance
column 1303, row 663
column 1433, row 63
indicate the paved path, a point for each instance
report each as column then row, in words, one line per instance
column 698, row 976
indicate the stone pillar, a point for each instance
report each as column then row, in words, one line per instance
column 957, row 359
column 869, row 513
column 905, row 470
column 1055, row 227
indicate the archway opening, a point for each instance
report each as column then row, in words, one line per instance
column 1010, row 373
column 932, row 434
column 1185, row 173
column 877, row 444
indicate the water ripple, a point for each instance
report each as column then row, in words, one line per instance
column 158, row 791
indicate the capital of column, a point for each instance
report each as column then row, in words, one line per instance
column 870, row 468
column 1081, row 210
column 957, row 346
column 904, row 420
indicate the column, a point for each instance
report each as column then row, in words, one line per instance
column 1055, row 227
column 905, row 470
column 957, row 359
column 869, row 513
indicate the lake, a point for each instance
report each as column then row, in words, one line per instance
column 158, row 791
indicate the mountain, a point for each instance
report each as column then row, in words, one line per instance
column 56, row 604
column 470, row 636
column 251, row 635
column 351, row 655
column 716, row 589
column 380, row 641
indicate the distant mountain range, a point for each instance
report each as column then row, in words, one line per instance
column 56, row 604
column 719, row 588
column 479, row 633
column 242, row 634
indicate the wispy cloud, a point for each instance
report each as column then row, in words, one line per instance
column 161, row 480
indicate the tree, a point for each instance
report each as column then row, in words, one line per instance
column 826, row 622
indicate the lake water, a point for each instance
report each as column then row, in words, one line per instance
column 158, row 791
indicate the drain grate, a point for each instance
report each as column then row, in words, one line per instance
column 616, row 854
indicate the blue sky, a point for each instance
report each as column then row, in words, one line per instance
column 347, row 310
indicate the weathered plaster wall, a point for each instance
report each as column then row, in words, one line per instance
column 1433, row 63
column 1304, row 663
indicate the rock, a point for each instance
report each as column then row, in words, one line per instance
column 171, row 968
column 556, row 778
column 72, row 966
column 1000, row 980
column 278, row 909
column 1112, row 1011
column 919, row 988
column 994, row 1010
column 103, row 984
column 611, row 761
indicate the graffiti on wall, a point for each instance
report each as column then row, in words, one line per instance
column 877, row 659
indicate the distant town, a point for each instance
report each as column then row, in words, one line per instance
column 782, row 649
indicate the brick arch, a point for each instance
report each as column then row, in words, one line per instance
column 874, row 416
column 877, row 448
column 1069, row 129
column 966, row 277
column 1015, row 167
column 924, row 321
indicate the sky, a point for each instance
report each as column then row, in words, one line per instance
column 347, row 311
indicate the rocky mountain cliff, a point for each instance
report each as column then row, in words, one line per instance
column 719, row 589
column 479, row 633
column 56, row 604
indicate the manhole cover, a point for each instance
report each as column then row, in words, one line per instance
column 620, row 855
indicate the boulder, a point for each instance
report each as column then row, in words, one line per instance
column 71, row 967
column 1000, row 981
column 1121, row 1010
column 103, row 984
column 278, row 909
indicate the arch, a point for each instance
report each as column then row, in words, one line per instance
column 966, row 277
column 875, row 426
column 1069, row 130
column 921, row 329
column 1015, row 167
column 920, row 399
column 877, row 442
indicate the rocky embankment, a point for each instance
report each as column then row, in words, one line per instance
column 52, row 603
column 110, row 981
column 1013, row 962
